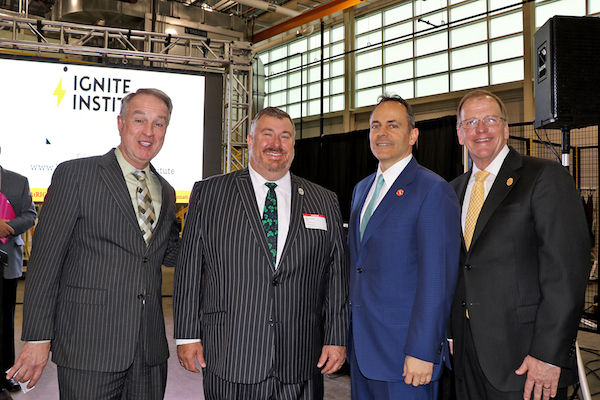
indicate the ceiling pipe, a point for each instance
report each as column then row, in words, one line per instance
column 263, row 5
column 299, row 33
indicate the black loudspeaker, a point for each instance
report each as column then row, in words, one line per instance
column 567, row 74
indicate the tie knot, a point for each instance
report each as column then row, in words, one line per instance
column 140, row 175
column 271, row 185
column 481, row 175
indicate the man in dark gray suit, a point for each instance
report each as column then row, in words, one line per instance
column 524, row 265
column 262, row 277
column 15, row 190
column 93, row 290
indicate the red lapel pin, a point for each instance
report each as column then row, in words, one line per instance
column 400, row 192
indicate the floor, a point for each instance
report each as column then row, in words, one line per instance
column 184, row 385
column 181, row 384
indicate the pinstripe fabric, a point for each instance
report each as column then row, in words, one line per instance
column 216, row 388
column 258, row 321
column 91, row 272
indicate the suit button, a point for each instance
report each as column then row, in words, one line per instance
column 359, row 270
column 463, row 303
column 145, row 259
column 140, row 296
column 275, row 282
column 467, row 267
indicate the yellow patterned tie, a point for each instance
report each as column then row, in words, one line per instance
column 475, row 204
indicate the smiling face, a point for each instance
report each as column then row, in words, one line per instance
column 391, row 137
column 483, row 142
column 271, row 147
column 143, row 129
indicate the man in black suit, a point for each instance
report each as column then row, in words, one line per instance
column 15, row 189
column 524, row 265
column 262, row 277
column 93, row 290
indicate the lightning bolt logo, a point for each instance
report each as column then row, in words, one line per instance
column 59, row 93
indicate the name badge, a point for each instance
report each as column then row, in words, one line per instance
column 315, row 221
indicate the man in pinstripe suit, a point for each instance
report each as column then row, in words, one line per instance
column 270, row 325
column 93, row 290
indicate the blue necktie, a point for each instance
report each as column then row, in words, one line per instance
column 371, row 207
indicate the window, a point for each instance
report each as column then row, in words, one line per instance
column 293, row 72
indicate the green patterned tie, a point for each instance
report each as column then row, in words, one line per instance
column 146, row 216
column 269, row 220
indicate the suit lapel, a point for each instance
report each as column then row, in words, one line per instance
column 246, row 191
column 362, row 190
column 112, row 176
column 397, row 192
column 166, row 201
column 296, row 218
column 503, row 184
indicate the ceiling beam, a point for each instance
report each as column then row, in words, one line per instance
column 304, row 18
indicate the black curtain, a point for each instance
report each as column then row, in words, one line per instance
column 339, row 162
column 336, row 162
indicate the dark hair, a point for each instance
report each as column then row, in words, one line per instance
column 394, row 97
column 153, row 92
column 480, row 94
column 271, row 112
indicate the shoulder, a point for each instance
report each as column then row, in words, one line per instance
column 11, row 175
column 310, row 187
column 79, row 166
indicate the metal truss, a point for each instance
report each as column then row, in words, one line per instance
column 237, row 112
column 187, row 52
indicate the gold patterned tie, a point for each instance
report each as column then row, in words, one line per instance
column 146, row 216
column 475, row 204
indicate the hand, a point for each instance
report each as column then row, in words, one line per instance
column 188, row 354
column 542, row 378
column 417, row 372
column 451, row 346
column 31, row 362
column 332, row 358
column 5, row 229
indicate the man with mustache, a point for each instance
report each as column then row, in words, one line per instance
column 403, row 240
column 262, row 279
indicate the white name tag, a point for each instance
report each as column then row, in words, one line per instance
column 315, row 221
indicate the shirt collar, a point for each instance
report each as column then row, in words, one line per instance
column 392, row 173
column 128, row 168
column 494, row 167
column 284, row 183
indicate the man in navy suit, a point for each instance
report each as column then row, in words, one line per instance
column 16, row 190
column 523, row 266
column 404, row 241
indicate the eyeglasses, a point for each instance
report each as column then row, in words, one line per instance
column 488, row 121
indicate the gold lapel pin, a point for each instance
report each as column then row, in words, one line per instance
column 509, row 181
column 301, row 191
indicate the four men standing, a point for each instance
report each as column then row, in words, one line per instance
column 261, row 286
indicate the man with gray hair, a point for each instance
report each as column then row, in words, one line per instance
column 262, row 276
column 93, row 289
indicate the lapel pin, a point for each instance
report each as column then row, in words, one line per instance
column 509, row 181
column 301, row 191
column 400, row 192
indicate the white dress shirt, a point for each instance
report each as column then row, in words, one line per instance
column 389, row 177
column 493, row 169
column 284, row 204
